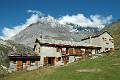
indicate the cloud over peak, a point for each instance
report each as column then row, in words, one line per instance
column 10, row 32
column 35, row 12
column 92, row 21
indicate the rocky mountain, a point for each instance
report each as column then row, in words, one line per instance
column 49, row 28
column 79, row 28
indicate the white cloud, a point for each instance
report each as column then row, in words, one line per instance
column 92, row 21
column 35, row 12
column 10, row 32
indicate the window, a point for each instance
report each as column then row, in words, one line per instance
column 106, row 49
column 107, row 43
column 59, row 58
column 104, row 39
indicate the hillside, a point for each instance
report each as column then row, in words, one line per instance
column 9, row 46
column 114, row 30
column 106, row 67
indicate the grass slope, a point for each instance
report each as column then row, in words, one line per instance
column 109, row 69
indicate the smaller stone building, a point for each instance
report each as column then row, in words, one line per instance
column 23, row 62
column 103, row 40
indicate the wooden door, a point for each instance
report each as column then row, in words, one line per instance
column 45, row 60
column 19, row 64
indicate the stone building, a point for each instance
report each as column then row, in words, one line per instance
column 58, row 52
column 103, row 40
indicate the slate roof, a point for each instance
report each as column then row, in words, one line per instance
column 96, row 35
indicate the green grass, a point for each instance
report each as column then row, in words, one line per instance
column 109, row 70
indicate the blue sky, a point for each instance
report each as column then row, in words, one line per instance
column 14, row 12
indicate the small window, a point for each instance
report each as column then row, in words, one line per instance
column 104, row 39
column 107, row 43
column 106, row 49
column 59, row 59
